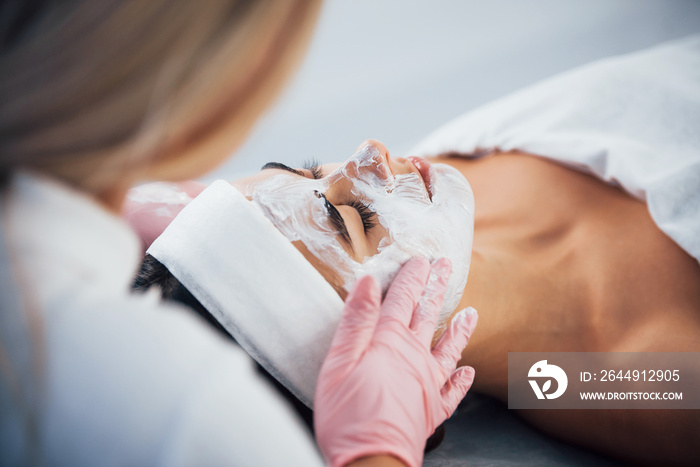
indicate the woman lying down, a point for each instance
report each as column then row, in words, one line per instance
column 578, row 228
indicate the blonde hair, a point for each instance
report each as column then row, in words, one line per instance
column 99, row 93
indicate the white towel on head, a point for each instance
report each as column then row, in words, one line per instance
column 633, row 121
column 255, row 283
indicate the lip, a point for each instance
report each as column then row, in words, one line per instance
column 425, row 170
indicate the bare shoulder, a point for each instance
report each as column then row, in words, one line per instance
column 669, row 329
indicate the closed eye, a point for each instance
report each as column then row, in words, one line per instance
column 313, row 166
column 335, row 218
column 369, row 217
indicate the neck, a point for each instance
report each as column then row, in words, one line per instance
column 489, row 290
column 520, row 301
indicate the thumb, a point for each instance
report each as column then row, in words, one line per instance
column 456, row 388
column 358, row 321
column 448, row 349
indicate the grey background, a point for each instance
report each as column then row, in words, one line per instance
column 395, row 70
column 483, row 433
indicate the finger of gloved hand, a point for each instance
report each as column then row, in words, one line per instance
column 405, row 291
column 358, row 321
column 449, row 348
column 455, row 389
column 425, row 318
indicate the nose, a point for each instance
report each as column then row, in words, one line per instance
column 396, row 166
column 377, row 144
column 367, row 166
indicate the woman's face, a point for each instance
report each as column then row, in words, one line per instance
column 370, row 214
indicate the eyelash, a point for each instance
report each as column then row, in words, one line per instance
column 335, row 216
column 313, row 166
column 369, row 217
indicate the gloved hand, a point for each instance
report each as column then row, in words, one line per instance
column 381, row 389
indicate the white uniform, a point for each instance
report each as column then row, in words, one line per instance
column 93, row 375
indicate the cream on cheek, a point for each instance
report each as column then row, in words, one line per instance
column 409, row 223
column 417, row 225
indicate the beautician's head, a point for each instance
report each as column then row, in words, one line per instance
column 370, row 214
column 100, row 93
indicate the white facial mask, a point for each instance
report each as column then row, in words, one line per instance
column 416, row 226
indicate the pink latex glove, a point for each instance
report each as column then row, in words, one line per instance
column 381, row 389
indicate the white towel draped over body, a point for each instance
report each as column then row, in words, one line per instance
column 633, row 121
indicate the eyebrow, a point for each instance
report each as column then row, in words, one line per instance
column 281, row 166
